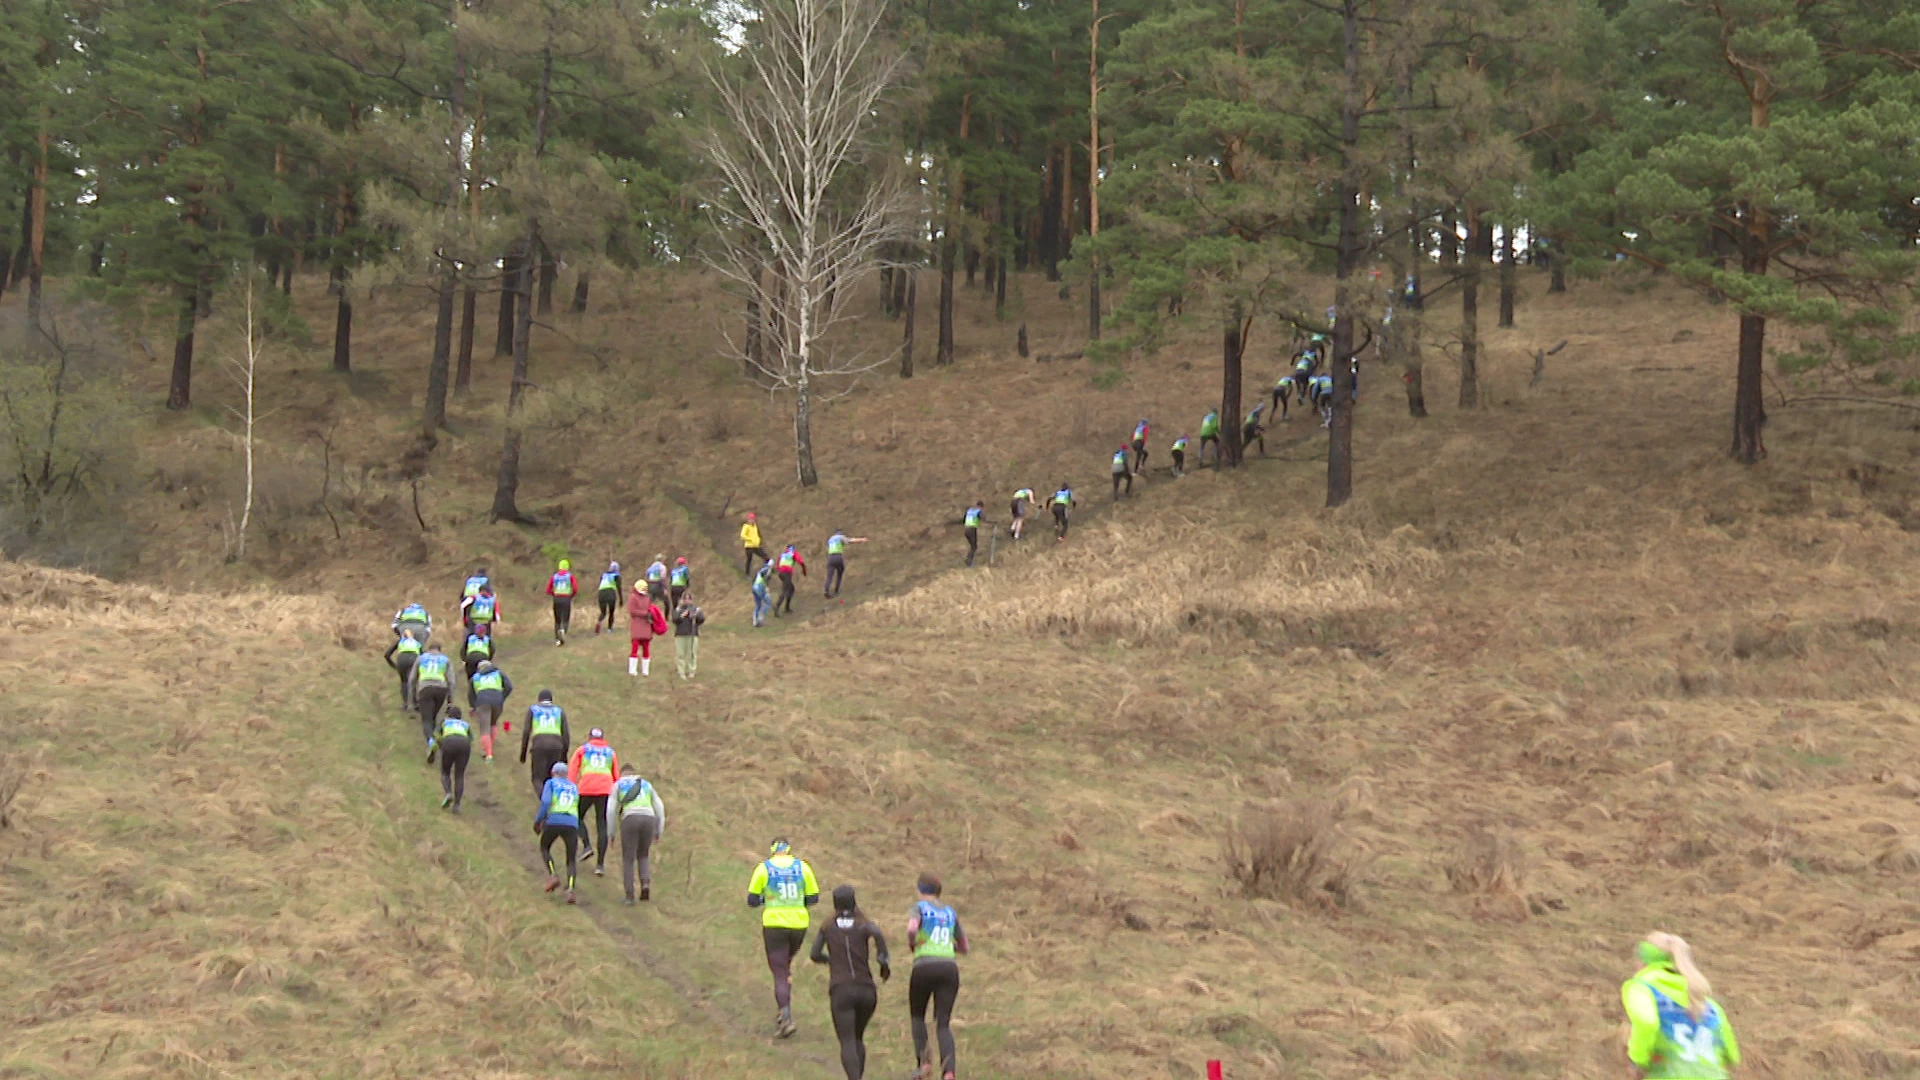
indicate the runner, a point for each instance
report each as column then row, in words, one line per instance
column 762, row 600
column 1209, row 433
column 789, row 558
column 837, row 560
column 456, row 748
column 592, row 770
column 971, row 520
column 1140, row 447
column 414, row 617
column 487, row 694
column 609, row 597
column 401, row 656
column 643, row 817
column 1062, row 509
column 1121, row 472
column 844, row 944
column 561, row 586
column 1320, row 388
column 657, row 580
column 1252, row 431
column 1180, row 456
column 934, row 934
column 478, row 647
column 471, row 588
column 559, row 819
column 678, row 581
column 1022, row 499
column 432, row 684
column 783, row 888
column 687, row 618
column 545, row 734
column 645, row 621
column 750, row 542
column 1303, row 375
column 1282, row 394
column 1677, row 1030
column 480, row 609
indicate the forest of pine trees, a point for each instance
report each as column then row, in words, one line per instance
column 1210, row 161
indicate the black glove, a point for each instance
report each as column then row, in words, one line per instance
column 885, row 971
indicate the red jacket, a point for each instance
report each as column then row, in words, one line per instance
column 594, row 783
column 645, row 620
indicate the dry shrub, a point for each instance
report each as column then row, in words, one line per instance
column 1331, row 587
column 1900, row 854
column 722, row 424
column 1297, row 851
column 1491, row 866
column 14, row 770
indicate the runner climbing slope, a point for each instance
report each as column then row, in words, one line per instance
column 783, row 888
column 643, row 819
column 559, row 819
column 544, row 734
column 562, row 587
column 609, row 597
column 935, row 936
column 592, row 769
column 1678, row 1032
column 848, row 944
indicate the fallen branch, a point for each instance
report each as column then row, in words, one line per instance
column 1842, row 400
column 1540, row 362
column 417, row 516
column 1075, row 355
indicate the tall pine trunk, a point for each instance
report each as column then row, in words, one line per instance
column 1470, row 311
column 943, row 353
column 756, row 342
column 549, row 273
column 463, row 358
column 180, row 385
column 906, row 335
column 1093, row 175
column 435, row 415
column 343, row 333
column 1233, row 347
column 1507, row 276
column 511, row 264
column 1749, row 409
column 37, row 236
column 507, row 484
column 1346, row 260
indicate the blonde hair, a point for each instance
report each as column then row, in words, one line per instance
column 1699, row 990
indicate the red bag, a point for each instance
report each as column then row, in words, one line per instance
column 659, row 620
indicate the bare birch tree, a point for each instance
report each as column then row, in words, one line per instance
column 244, row 367
column 803, row 204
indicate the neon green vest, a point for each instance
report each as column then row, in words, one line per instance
column 485, row 680
column 545, row 720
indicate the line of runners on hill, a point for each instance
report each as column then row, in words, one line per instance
column 1676, row 1030
column 582, row 790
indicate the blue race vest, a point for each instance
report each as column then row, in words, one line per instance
column 431, row 668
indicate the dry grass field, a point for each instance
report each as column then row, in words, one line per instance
column 1390, row 791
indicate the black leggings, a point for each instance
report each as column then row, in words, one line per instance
column 1059, row 519
column 786, row 594
column 1139, row 456
column 973, row 545
column 760, row 551
column 455, row 751
column 937, row 981
column 1125, row 475
column 567, row 835
column 609, row 601
column 543, row 759
column 562, row 615
column 429, row 700
column 853, row 1005
column 593, row 811
column 782, row 946
column 403, row 664
column 836, row 573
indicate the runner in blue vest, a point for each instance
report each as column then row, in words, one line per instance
column 643, row 817
column 487, row 693
column 1140, row 447
column 971, row 520
column 480, row 609
column 544, row 735
column 837, row 560
column 677, row 581
column 1678, row 1032
column 456, row 749
column 559, row 819
column 935, row 937
column 1062, row 510
column 609, row 597
column 477, row 647
column 414, row 617
column 1121, row 472
column 471, row 588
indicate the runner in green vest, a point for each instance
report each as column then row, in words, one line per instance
column 1209, row 433
column 783, row 888
column 1180, row 456
column 456, row 747
column 432, row 685
column 1022, row 500
column 935, row 936
column 544, row 734
column 837, row 560
column 487, row 693
column 1678, row 1031
column 1062, row 510
column 401, row 656
column 609, row 597
column 1121, row 472
column 971, row 520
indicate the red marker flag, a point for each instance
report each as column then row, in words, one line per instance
column 1213, row 1071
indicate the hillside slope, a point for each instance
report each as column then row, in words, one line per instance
column 1560, row 675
